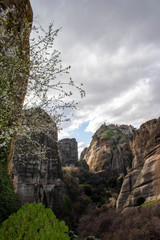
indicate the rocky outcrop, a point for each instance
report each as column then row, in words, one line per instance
column 83, row 153
column 36, row 169
column 109, row 150
column 68, row 151
column 15, row 26
column 144, row 178
column 19, row 22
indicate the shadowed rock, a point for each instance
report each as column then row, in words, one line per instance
column 36, row 169
column 68, row 151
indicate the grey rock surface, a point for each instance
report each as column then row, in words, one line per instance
column 68, row 151
column 109, row 150
column 36, row 169
column 144, row 178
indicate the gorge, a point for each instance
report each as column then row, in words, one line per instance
column 111, row 183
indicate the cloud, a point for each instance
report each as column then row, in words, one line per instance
column 113, row 48
column 81, row 146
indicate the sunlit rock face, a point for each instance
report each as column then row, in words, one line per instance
column 109, row 150
column 23, row 17
column 68, row 151
column 36, row 169
column 144, row 178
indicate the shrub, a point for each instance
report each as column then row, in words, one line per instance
column 119, row 137
column 8, row 199
column 67, row 205
column 109, row 133
column 33, row 221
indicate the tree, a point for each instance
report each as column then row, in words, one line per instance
column 37, row 69
column 8, row 199
column 33, row 221
column 33, row 68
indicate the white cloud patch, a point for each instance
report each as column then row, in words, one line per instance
column 81, row 146
column 113, row 48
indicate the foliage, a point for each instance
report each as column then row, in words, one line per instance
column 96, row 222
column 150, row 203
column 71, row 179
column 33, row 221
column 108, row 132
column 43, row 72
column 8, row 200
column 131, row 224
column 66, row 204
column 119, row 137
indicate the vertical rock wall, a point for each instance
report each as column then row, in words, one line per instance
column 22, row 18
column 109, row 150
column 15, row 79
column 68, row 151
column 36, row 169
column 144, row 178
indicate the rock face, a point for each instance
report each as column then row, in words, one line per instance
column 36, row 168
column 83, row 153
column 109, row 150
column 68, row 151
column 14, row 79
column 144, row 178
column 23, row 17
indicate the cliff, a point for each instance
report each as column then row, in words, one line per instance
column 14, row 50
column 15, row 26
column 109, row 150
column 68, row 151
column 36, row 169
column 144, row 178
column 19, row 22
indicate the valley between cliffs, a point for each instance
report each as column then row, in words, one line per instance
column 111, row 192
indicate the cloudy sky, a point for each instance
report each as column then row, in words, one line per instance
column 113, row 47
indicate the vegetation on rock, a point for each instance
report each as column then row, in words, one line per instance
column 34, row 69
column 8, row 199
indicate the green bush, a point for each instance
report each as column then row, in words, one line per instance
column 8, row 199
column 33, row 221
column 109, row 133
column 119, row 137
column 67, row 205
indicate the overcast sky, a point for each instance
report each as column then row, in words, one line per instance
column 113, row 47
